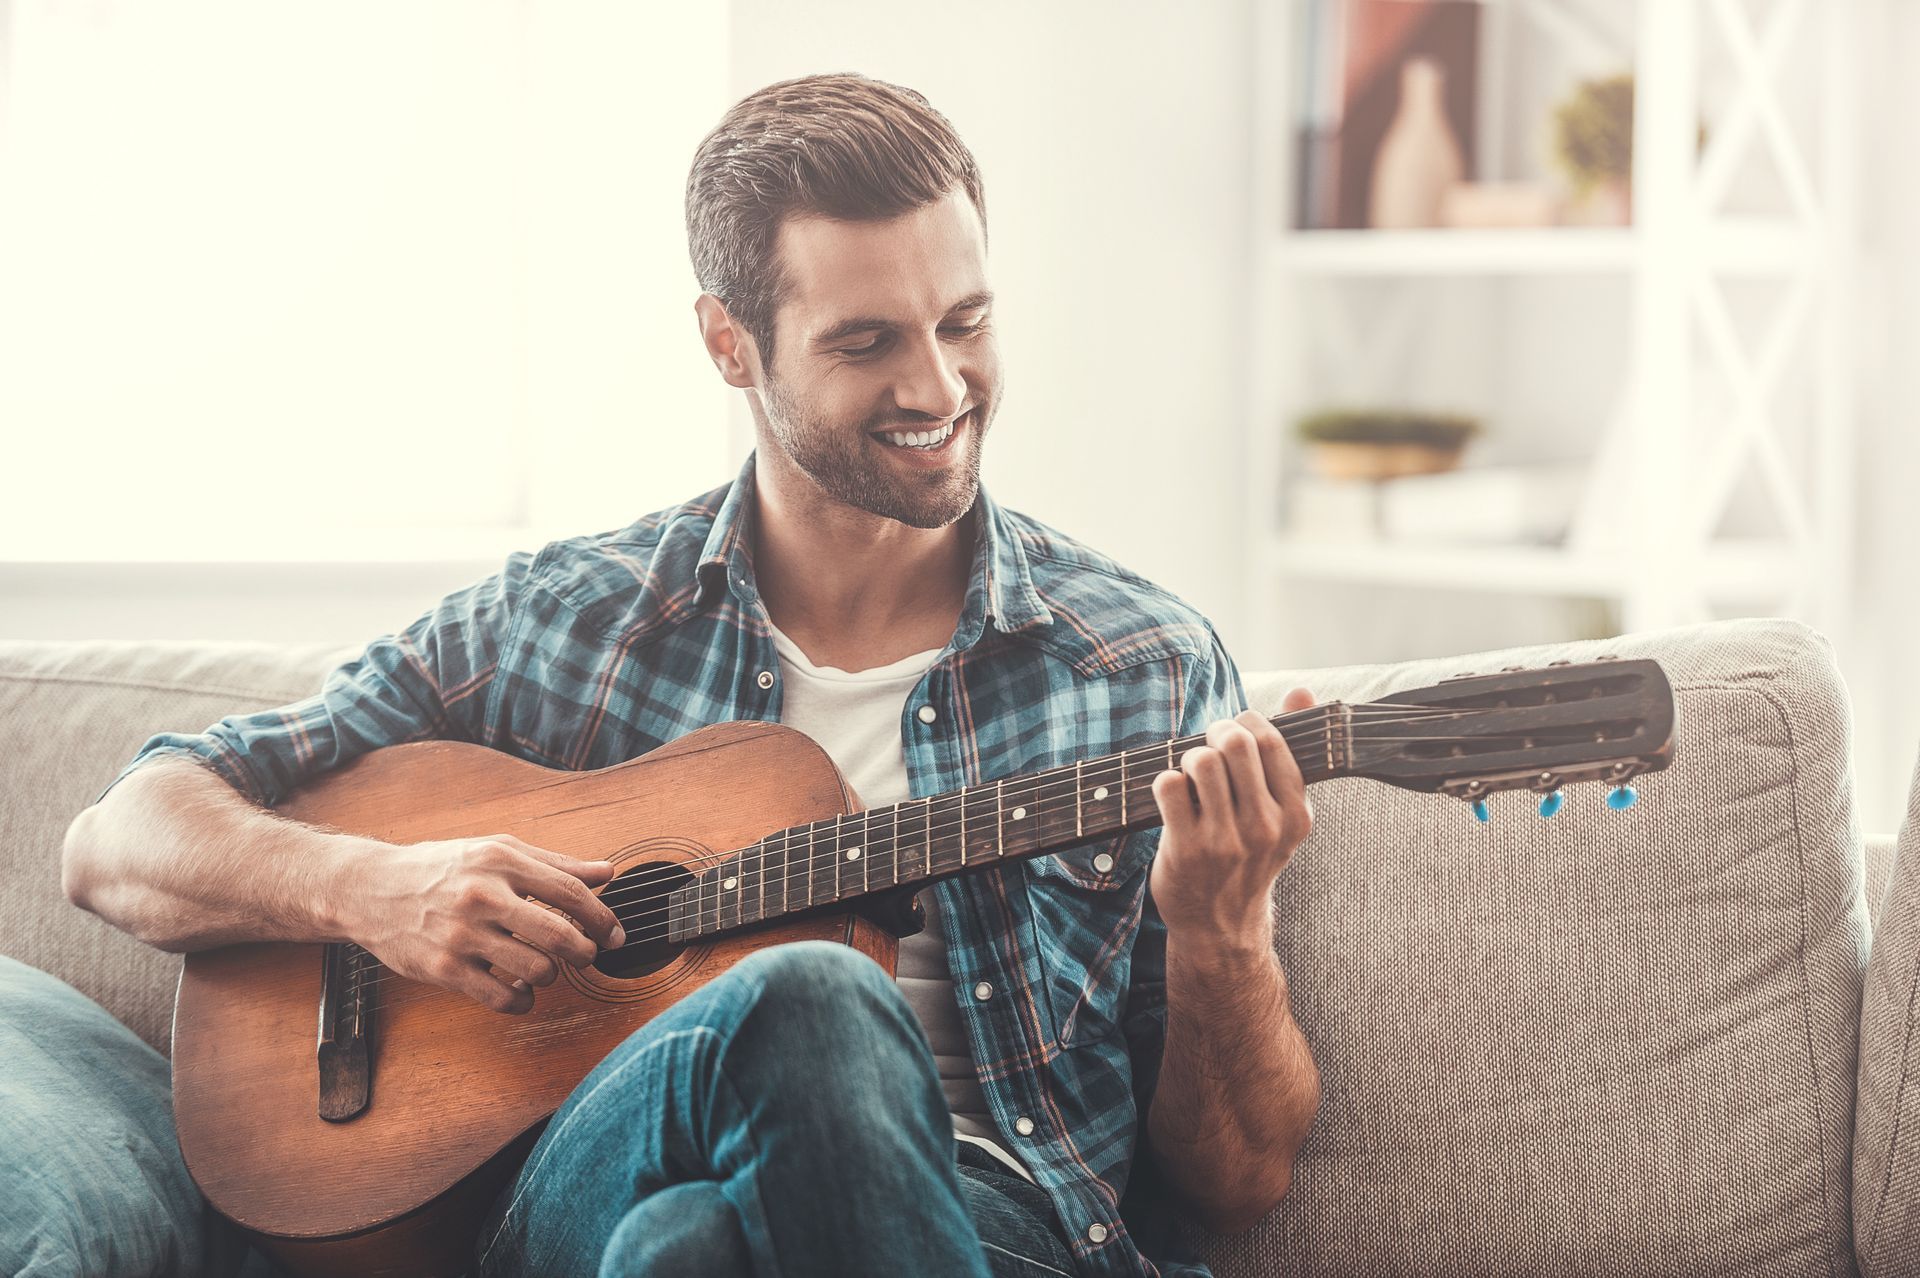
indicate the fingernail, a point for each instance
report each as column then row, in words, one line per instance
column 619, row 936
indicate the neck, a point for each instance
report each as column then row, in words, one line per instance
column 834, row 577
column 920, row 841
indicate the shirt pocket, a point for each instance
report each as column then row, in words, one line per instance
column 1086, row 905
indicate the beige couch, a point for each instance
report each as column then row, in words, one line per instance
column 1601, row 1043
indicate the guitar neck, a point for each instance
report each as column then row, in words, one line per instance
column 919, row 841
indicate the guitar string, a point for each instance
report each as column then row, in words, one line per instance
column 634, row 921
column 801, row 868
column 815, row 860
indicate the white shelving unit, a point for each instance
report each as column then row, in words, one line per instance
column 1724, row 309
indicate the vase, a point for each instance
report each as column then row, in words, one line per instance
column 1419, row 157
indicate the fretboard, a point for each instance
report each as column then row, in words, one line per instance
column 920, row 841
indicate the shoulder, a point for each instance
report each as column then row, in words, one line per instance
column 636, row 577
column 1107, row 617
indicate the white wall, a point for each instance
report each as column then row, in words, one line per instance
column 1112, row 135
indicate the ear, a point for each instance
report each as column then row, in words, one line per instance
column 729, row 346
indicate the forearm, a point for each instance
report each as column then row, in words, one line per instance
column 176, row 857
column 1238, row 1086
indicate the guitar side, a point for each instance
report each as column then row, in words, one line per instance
column 459, row 1091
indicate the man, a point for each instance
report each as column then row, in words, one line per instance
column 1105, row 1023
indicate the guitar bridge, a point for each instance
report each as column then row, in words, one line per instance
column 344, row 1055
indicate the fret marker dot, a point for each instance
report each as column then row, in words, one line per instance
column 1019, row 814
column 853, row 854
column 730, row 884
column 1100, row 793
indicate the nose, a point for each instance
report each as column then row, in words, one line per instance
column 930, row 381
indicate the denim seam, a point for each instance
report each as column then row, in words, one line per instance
column 1041, row 1265
column 623, row 1067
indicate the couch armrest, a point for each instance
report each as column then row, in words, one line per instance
column 1886, row 1133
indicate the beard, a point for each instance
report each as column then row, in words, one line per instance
column 849, row 465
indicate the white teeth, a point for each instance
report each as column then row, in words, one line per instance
column 919, row 438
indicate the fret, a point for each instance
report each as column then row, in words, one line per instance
column 1000, row 817
column 866, row 844
column 961, row 803
column 946, row 851
column 753, row 879
column 915, row 837
column 980, row 824
column 780, row 875
column 1123, row 787
column 1079, row 823
column 896, row 848
column 823, row 880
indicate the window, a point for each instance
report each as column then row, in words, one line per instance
column 331, row 280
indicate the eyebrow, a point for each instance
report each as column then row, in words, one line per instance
column 873, row 323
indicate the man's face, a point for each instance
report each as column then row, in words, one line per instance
column 887, row 331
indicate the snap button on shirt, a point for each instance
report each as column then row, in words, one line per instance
column 1096, row 1232
column 1103, row 862
column 928, row 714
column 983, row 991
column 766, row 679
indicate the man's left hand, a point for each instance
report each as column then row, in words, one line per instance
column 1233, row 813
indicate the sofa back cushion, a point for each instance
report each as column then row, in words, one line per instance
column 77, row 713
column 1886, row 1142
column 1602, row 1042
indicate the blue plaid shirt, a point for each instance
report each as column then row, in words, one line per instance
column 600, row 648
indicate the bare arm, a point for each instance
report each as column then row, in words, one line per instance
column 1238, row 1087
column 176, row 857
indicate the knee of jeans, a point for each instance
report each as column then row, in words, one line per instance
column 827, row 988
column 689, row 1229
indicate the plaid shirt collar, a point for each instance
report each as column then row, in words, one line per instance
column 1000, row 590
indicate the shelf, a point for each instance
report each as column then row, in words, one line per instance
column 1729, row 570
column 1733, row 245
column 1543, row 250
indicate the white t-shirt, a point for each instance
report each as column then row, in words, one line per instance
column 855, row 717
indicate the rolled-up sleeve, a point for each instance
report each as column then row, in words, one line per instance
column 430, row 680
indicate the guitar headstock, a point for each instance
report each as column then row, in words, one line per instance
column 1475, row 735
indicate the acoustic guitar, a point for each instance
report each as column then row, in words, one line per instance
column 357, row 1123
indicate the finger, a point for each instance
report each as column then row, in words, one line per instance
column 1297, row 699
column 1174, row 796
column 1245, row 776
column 1277, row 764
column 472, row 979
column 546, row 882
column 551, row 932
column 1208, row 772
column 591, row 873
column 516, row 958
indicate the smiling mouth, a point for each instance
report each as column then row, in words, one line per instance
column 923, row 440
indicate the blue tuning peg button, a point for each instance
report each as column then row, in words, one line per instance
column 1553, row 803
column 1481, row 811
column 1622, row 797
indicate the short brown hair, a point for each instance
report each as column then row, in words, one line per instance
column 842, row 146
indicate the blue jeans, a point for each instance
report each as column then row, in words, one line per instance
column 784, row 1120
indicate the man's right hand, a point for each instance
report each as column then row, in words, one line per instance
column 455, row 913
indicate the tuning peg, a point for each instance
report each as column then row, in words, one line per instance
column 1622, row 797
column 1481, row 811
column 1553, row 802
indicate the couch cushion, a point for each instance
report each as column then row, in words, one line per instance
column 1886, row 1142
column 77, row 713
column 1606, row 1042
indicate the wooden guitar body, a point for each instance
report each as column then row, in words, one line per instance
column 459, row 1092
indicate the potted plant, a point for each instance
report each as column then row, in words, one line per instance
column 1383, row 443
column 1593, row 145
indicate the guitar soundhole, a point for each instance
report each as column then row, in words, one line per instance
column 638, row 897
